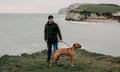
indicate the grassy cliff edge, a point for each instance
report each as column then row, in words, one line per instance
column 84, row 61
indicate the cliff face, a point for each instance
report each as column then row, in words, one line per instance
column 73, row 16
column 80, row 12
column 67, row 9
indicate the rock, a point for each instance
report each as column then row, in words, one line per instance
column 76, row 17
column 73, row 16
column 68, row 16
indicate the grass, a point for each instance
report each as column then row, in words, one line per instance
column 84, row 61
column 99, row 8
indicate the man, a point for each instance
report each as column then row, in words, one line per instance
column 51, row 34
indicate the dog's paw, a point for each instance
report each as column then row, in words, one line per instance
column 72, row 65
column 50, row 65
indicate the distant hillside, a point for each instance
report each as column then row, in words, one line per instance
column 92, row 12
column 100, row 8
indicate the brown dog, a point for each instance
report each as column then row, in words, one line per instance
column 70, row 52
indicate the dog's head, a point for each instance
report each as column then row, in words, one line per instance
column 77, row 45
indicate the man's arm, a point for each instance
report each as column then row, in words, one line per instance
column 59, row 32
column 45, row 33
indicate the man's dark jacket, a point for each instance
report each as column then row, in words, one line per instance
column 52, row 32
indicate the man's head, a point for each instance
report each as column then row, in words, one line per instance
column 50, row 19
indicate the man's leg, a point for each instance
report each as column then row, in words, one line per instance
column 49, row 45
column 55, row 45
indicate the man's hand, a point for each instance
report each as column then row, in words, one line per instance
column 46, row 40
column 60, row 41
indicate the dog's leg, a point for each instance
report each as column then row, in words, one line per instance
column 54, row 59
column 71, row 61
column 51, row 62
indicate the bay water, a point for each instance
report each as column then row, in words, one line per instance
column 24, row 33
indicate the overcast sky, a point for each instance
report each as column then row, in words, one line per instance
column 42, row 6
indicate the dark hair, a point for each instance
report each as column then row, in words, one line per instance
column 50, row 17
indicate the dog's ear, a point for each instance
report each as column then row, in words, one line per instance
column 74, row 45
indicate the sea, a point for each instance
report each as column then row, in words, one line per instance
column 24, row 33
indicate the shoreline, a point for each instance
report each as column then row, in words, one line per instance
column 97, row 21
column 102, row 21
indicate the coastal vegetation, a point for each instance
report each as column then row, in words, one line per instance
column 84, row 61
column 89, row 12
